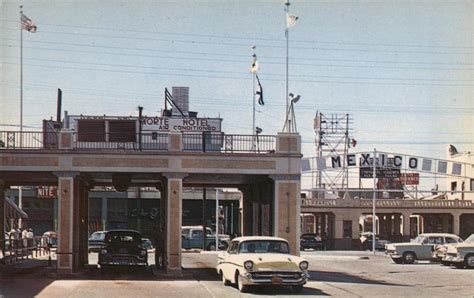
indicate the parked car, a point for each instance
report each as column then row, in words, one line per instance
column 461, row 255
column 122, row 247
column 96, row 241
column 366, row 239
column 310, row 240
column 192, row 237
column 440, row 251
column 421, row 248
column 261, row 261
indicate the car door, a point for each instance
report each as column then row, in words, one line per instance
column 428, row 248
column 196, row 239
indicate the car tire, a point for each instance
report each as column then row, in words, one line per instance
column 242, row 288
column 297, row 289
column 409, row 257
column 211, row 247
column 225, row 282
column 397, row 260
column 469, row 261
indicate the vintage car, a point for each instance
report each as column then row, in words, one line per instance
column 312, row 241
column 441, row 251
column 192, row 237
column 421, row 248
column 96, row 241
column 261, row 261
column 461, row 255
column 122, row 247
column 366, row 239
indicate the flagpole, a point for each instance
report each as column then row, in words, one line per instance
column 287, row 33
column 21, row 78
column 20, row 190
column 253, row 119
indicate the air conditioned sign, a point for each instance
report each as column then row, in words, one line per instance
column 181, row 124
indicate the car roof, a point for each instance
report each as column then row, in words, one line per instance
column 123, row 231
column 250, row 238
column 439, row 235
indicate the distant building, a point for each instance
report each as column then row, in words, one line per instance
column 462, row 187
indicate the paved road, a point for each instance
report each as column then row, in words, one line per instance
column 342, row 274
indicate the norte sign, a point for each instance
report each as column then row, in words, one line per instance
column 181, row 124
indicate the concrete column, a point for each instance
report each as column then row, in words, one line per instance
column 338, row 226
column 406, row 225
column 247, row 211
column 174, row 207
column 66, row 139
column 175, row 142
column 103, row 214
column 456, row 223
column 287, row 209
column 66, row 231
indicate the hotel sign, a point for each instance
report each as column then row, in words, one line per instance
column 181, row 124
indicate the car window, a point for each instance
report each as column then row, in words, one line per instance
column 122, row 238
column 264, row 246
column 451, row 240
column 196, row 233
column 435, row 240
column 185, row 232
column 97, row 236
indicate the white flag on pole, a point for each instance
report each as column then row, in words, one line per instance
column 291, row 20
column 255, row 66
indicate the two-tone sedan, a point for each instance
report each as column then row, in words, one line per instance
column 261, row 261
column 461, row 255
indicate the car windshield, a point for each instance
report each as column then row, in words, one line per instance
column 419, row 239
column 470, row 239
column 123, row 237
column 97, row 236
column 264, row 246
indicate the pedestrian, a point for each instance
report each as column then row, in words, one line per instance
column 24, row 237
column 30, row 237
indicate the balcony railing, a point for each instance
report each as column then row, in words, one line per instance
column 198, row 142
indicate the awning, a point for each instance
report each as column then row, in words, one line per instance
column 12, row 211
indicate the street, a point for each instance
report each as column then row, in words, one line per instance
column 348, row 273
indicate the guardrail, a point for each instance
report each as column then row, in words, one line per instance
column 198, row 142
column 367, row 203
column 19, row 249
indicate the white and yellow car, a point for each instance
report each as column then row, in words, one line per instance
column 261, row 261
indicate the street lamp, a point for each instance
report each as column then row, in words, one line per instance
column 290, row 122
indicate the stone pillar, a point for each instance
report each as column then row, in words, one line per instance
column 66, row 231
column 83, row 224
column 66, row 139
column 287, row 209
column 103, row 215
column 406, row 226
column 247, row 211
column 174, row 207
column 175, row 142
column 2, row 221
column 456, row 223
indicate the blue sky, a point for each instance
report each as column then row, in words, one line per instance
column 403, row 69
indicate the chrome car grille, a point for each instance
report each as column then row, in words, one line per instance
column 281, row 274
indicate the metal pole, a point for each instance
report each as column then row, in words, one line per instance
column 287, row 33
column 217, row 219
column 373, row 200
column 21, row 78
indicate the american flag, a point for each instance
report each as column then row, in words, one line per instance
column 27, row 24
column 259, row 92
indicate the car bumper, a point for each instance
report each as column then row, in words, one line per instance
column 278, row 279
column 123, row 261
column 393, row 254
column 453, row 259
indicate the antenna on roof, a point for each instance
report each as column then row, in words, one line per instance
column 169, row 99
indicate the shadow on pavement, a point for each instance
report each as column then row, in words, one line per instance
column 328, row 276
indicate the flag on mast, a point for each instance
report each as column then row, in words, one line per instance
column 27, row 24
column 255, row 66
column 259, row 92
column 291, row 20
